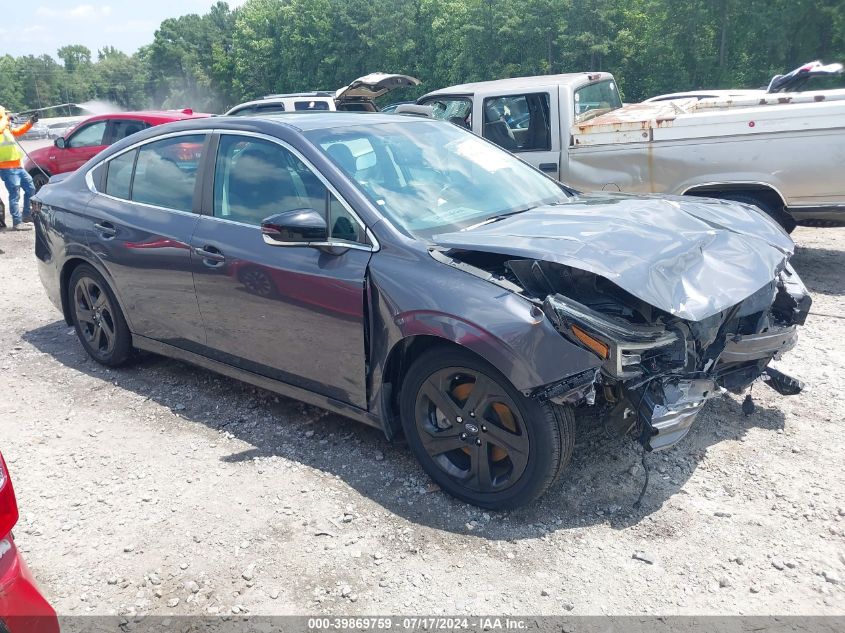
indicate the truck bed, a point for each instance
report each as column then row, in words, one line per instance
column 698, row 119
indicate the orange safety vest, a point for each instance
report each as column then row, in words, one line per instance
column 10, row 153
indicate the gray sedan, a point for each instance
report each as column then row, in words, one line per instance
column 410, row 275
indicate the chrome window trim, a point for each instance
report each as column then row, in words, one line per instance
column 374, row 247
column 272, row 139
column 89, row 179
column 148, row 205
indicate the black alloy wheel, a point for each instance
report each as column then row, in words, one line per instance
column 477, row 436
column 98, row 320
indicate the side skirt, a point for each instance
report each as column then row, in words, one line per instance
column 282, row 388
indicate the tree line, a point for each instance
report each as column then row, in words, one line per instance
column 212, row 61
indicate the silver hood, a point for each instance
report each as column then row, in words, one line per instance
column 687, row 256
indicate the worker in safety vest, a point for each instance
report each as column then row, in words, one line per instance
column 13, row 175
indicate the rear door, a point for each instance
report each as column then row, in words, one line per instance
column 292, row 313
column 83, row 144
column 525, row 124
column 140, row 226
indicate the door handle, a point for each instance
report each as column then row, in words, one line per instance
column 106, row 229
column 548, row 166
column 210, row 255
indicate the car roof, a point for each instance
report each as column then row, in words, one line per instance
column 305, row 121
column 289, row 95
column 152, row 115
column 520, row 83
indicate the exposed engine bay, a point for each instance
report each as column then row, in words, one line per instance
column 658, row 368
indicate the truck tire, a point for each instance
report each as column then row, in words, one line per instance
column 778, row 214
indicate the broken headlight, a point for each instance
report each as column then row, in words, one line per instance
column 624, row 346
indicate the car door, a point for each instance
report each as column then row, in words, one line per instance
column 83, row 144
column 140, row 224
column 293, row 313
column 525, row 124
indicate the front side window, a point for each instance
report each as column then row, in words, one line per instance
column 518, row 122
column 431, row 178
column 89, row 136
column 255, row 179
column 166, row 172
column 119, row 175
column 596, row 99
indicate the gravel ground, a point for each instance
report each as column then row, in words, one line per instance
column 165, row 489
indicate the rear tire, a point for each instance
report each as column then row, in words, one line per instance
column 477, row 436
column 38, row 179
column 97, row 318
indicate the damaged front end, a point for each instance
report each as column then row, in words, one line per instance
column 658, row 369
column 658, row 373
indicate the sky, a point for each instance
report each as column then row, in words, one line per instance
column 43, row 26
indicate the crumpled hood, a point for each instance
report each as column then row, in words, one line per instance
column 687, row 256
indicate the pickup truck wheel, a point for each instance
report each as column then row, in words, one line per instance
column 776, row 213
column 97, row 318
column 479, row 438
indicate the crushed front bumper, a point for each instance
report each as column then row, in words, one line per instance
column 669, row 405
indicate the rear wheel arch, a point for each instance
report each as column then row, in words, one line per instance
column 64, row 281
column 68, row 267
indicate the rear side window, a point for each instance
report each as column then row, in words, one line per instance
column 119, row 175
column 518, row 122
column 121, row 128
column 311, row 105
column 166, row 172
column 268, row 108
column 596, row 99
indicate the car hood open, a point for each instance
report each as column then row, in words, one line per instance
column 689, row 257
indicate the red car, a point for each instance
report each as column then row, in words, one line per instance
column 93, row 135
column 22, row 608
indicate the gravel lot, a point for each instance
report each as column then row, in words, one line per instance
column 165, row 489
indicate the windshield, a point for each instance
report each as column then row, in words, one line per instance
column 596, row 99
column 429, row 177
column 456, row 110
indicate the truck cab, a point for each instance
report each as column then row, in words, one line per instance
column 529, row 116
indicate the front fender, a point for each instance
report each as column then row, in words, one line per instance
column 418, row 296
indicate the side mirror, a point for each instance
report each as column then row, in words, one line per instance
column 60, row 142
column 300, row 227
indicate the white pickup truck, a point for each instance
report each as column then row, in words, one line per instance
column 783, row 152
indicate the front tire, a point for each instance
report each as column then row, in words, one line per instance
column 479, row 438
column 97, row 318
